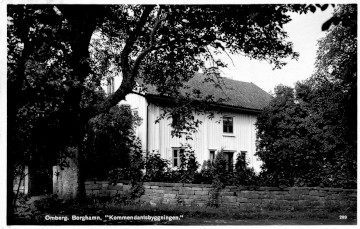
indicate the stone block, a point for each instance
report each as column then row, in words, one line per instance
column 188, row 201
column 252, row 196
column 183, row 196
column 154, row 187
column 145, row 198
column 167, row 184
column 102, row 182
column 187, row 192
column 170, row 196
column 172, row 192
column 242, row 200
column 255, row 201
column 193, row 197
column 206, row 189
column 291, row 197
column 278, row 197
column 196, row 188
column 313, row 193
column 268, row 201
column 93, row 186
column 178, row 185
column 310, row 197
column 282, row 202
column 229, row 199
column 203, row 197
column 227, row 194
column 241, row 188
column 166, row 188
column 88, row 182
column 173, row 201
column 158, row 194
column 149, row 191
column 191, row 185
column 268, row 195
column 158, row 191
column 201, row 193
column 115, row 187
column 247, row 206
column 273, row 189
column 304, row 203
column 206, row 185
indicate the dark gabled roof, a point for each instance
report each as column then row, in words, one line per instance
column 236, row 94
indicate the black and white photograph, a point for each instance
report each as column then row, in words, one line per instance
column 179, row 113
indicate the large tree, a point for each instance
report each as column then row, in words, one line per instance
column 308, row 136
column 53, row 54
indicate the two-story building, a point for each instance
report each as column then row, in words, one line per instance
column 231, row 130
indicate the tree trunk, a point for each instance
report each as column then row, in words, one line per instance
column 68, row 182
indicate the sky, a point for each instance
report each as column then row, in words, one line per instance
column 304, row 31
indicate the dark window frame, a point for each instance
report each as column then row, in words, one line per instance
column 176, row 159
column 228, row 125
column 212, row 155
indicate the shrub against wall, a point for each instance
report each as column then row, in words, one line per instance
column 109, row 141
column 243, row 175
column 156, row 168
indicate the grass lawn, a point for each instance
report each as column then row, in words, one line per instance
column 55, row 212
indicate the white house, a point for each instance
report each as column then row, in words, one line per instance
column 231, row 130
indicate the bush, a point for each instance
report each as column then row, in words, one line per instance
column 155, row 167
column 133, row 171
column 243, row 175
column 109, row 140
column 187, row 170
column 206, row 174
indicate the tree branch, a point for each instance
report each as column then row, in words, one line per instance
column 128, row 73
column 133, row 37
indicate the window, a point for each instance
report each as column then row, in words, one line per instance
column 228, row 125
column 110, row 86
column 229, row 159
column 176, row 156
column 212, row 156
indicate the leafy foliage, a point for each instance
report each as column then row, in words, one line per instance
column 155, row 167
column 109, row 141
column 205, row 176
column 187, row 170
column 220, row 177
column 243, row 175
column 307, row 136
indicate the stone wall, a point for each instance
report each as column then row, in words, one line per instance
column 292, row 198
